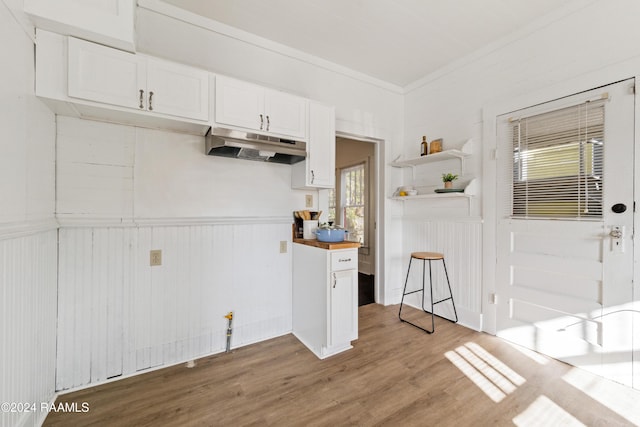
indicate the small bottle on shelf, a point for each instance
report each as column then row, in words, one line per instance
column 424, row 147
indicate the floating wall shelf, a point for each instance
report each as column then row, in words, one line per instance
column 460, row 154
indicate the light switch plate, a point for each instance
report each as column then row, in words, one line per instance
column 308, row 201
column 283, row 246
column 155, row 257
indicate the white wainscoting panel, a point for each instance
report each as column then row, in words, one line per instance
column 27, row 323
column 461, row 243
column 119, row 315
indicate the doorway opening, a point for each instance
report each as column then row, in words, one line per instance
column 352, row 204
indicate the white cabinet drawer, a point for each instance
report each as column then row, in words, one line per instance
column 347, row 260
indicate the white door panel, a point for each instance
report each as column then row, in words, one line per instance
column 565, row 285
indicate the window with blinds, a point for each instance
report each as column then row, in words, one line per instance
column 558, row 163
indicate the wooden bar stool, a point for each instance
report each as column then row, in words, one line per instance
column 427, row 256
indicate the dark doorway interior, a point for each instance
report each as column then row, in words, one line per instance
column 365, row 289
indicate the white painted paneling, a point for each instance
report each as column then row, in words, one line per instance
column 28, row 237
column 174, row 178
column 119, row 315
column 27, row 324
column 461, row 244
column 94, row 168
column 28, row 132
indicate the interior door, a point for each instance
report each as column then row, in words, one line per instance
column 564, row 284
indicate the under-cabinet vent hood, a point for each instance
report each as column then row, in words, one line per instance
column 251, row 146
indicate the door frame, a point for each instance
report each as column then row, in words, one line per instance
column 377, row 209
column 490, row 113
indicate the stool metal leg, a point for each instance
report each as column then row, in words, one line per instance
column 433, row 303
column 404, row 290
column 455, row 313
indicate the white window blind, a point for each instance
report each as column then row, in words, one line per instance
column 557, row 162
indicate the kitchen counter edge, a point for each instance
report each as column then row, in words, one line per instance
column 327, row 245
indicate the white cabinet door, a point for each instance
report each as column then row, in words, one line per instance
column 285, row 114
column 341, row 320
column 321, row 160
column 318, row 170
column 109, row 76
column 239, row 104
column 177, row 90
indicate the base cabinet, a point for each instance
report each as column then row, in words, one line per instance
column 325, row 298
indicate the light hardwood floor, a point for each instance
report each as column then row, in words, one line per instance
column 394, row 375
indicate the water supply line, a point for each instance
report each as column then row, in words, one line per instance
column 229, row 317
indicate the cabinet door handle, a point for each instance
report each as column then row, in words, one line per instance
column 150, row 100
column 335, row 280
column 313, row 176
column 141, row 99
column 268, row 123
column 261, row 121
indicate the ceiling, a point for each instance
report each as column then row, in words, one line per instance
column 396, row 41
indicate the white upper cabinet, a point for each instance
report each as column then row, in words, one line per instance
column 239, row 104
column 177, row 90
column 110, row 22
column 101, row 74
column 318, row 170
column 248, row 106
column 285, row 114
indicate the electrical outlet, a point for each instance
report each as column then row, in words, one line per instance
column 155, row 257
column 283, row 246
column 308, row 201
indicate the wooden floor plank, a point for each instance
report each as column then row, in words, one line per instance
column 394, row 375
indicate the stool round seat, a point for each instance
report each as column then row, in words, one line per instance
column 427, row 255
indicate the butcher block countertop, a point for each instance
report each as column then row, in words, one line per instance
column 327, row 245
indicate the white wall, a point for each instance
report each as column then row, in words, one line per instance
column 574, row 50
column 123, row 191
column 27, row 230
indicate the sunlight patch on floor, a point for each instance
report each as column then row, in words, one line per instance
column 544, row 412
column 492, row 376
column 621, row 399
